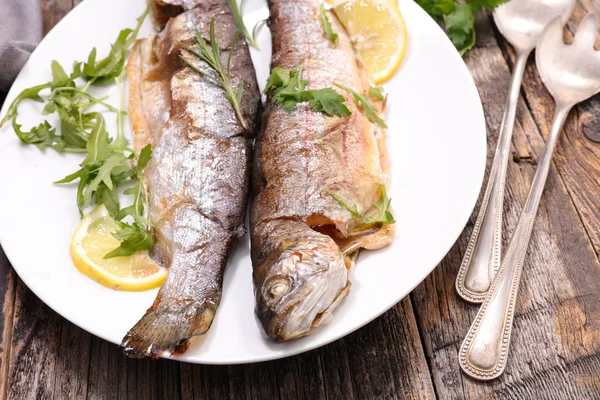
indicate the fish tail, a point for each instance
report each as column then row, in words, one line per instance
column 167, row 327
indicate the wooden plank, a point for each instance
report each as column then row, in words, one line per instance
column 34, row 347
column 382, row 360
column 53, row 11
column 555, row 350
column 7, row 296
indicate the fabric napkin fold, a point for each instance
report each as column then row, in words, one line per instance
column 20, row 32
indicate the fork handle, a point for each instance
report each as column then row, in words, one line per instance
column 482, row 257
column 483, row 353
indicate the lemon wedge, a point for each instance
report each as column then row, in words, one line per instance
column 378, row 32
column 93, row 240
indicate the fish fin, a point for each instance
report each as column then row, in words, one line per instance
column 167, row 327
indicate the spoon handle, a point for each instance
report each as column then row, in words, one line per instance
column 483, row 353
column 482, row 257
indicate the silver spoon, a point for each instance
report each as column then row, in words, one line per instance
column 521, row 22
column 572, row 74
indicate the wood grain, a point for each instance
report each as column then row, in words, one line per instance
column 556, row 337
column 409, row 352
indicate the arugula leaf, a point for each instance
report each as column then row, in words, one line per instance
column 32, row 93
column 377, row 93
column 288, row 89
column 239, row 23
column 135, row 237
column 458, row 18
column 383, row 207
column 362, row 101
column 43, row 136
column 327, row 26
column 105, row 71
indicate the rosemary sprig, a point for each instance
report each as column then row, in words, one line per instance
column 212, row 56
column 239, row 22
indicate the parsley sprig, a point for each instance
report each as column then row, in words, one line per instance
column 385, row 216
column 108, row 163
column 211, row 55
column 458, row 18
column 289, row 89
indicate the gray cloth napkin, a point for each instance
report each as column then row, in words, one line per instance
column 20, row 32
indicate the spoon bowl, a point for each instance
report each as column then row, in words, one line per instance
column 570, row 72
column 522, row 21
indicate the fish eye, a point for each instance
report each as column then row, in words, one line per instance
column 277, row 288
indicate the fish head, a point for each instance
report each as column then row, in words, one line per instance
column 306, row 279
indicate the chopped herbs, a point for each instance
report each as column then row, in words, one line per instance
column 288, row 89
column 362, row 101
column 458, row 17
column 327, row 26
column 239, row 23
column 107, row 165
column 377, row 93
column 212, row 57
column 383, row 207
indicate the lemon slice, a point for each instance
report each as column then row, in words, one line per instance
column 93, row 240
column 378, row 32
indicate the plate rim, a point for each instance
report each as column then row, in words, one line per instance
column 271, row 356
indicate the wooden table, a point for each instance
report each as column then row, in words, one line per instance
column 412, row 350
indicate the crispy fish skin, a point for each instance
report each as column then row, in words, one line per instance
column 198, row 177
column 302, row 240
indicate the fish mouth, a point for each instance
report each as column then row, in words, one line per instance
column 307, row 316
column 295, row 304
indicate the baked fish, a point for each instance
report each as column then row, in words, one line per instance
column 303, row 241
column 198, row 177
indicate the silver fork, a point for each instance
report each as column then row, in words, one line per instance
column 572, row 74
column 521, row 22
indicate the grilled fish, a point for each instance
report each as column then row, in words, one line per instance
column 199, row 172
column 303, row 241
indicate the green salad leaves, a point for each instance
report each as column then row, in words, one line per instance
column 109, row 164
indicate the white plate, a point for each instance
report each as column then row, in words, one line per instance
column 437, row 143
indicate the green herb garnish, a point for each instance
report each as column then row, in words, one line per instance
column 362, row 101
column 458, row 17
column 239, row 23
column 377, row 93
column 135, row 236
column 104, row 72
column 383, row 206
column 288, row 89
column 212, row 57
column 327, row 26
column 107, row 164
